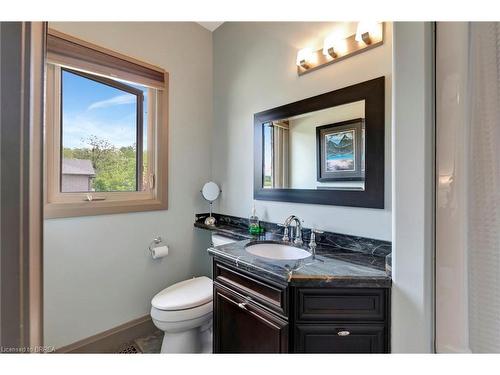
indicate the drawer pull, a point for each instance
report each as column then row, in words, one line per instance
column 343, row 333
column 242, row 305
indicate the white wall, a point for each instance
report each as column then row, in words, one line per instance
column 413, row 189
column 98, row 273
column 254, row 70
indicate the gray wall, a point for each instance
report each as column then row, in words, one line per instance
column 254, row 70
column 98, row 273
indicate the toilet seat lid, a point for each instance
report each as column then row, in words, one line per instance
column 184, row 295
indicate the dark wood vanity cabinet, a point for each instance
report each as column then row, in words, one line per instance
column 244, row 327
column 257, row 315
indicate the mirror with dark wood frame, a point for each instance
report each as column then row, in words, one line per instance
column 327, row 149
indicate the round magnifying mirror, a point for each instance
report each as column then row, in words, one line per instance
column 210, row 191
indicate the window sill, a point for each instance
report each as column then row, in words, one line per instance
column 76, row 209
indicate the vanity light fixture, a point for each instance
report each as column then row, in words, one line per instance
column 338, row 47
column 304, row 57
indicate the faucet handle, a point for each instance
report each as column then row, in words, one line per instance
column 312, row 241
column 314, row 232
column 285, row 237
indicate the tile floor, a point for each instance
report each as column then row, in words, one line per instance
column 149, row 344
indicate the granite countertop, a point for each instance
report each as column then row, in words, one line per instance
column 333, row 266
column 231, row 231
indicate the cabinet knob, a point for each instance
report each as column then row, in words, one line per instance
column 343, row 333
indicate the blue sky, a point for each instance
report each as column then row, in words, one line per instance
column 92, row 108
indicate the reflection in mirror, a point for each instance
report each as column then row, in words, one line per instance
column 323, row 149
column 210, row 191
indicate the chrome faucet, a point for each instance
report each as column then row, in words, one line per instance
column 298, row 230
column 312, row 242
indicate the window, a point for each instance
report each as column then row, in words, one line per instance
column 106, row 131
column 268, row 160
column 101, row 134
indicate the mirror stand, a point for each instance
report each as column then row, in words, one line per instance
column 210, row 220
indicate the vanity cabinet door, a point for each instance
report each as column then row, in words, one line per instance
column 340, row 338
column 243, row 327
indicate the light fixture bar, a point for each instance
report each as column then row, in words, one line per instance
column 329, row 54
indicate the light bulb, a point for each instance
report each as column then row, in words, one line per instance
column 304, row 57
column 367, row 31
column 335, row 45
column 329, row 46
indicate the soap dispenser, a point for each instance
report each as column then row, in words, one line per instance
column 253, row 223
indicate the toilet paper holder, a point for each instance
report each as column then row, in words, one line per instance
column 157, row 241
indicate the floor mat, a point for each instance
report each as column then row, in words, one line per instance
column 129, row 349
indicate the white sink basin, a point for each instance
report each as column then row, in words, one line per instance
column 277, row 251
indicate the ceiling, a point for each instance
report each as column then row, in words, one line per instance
column 210, row 25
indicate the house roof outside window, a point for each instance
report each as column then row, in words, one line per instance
column 78, row 167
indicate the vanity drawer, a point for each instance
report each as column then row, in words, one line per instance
column 340, row 338
column 270, row 295
column 340, row 304
column 240, row 326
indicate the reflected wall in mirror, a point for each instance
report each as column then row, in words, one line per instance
column 327, row 149
column 323, row 149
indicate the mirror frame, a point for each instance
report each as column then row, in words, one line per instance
column 373, row 93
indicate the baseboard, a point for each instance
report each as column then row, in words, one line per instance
column 111, row 340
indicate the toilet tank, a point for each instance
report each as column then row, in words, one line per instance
column 218, row 239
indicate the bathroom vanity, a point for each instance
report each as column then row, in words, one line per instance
column 336, row 303
column 257, row 315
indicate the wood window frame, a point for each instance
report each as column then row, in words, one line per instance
column 59, row 204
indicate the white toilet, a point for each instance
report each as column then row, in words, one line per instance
column 184, row 312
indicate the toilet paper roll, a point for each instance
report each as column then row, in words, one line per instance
column 159, row 252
